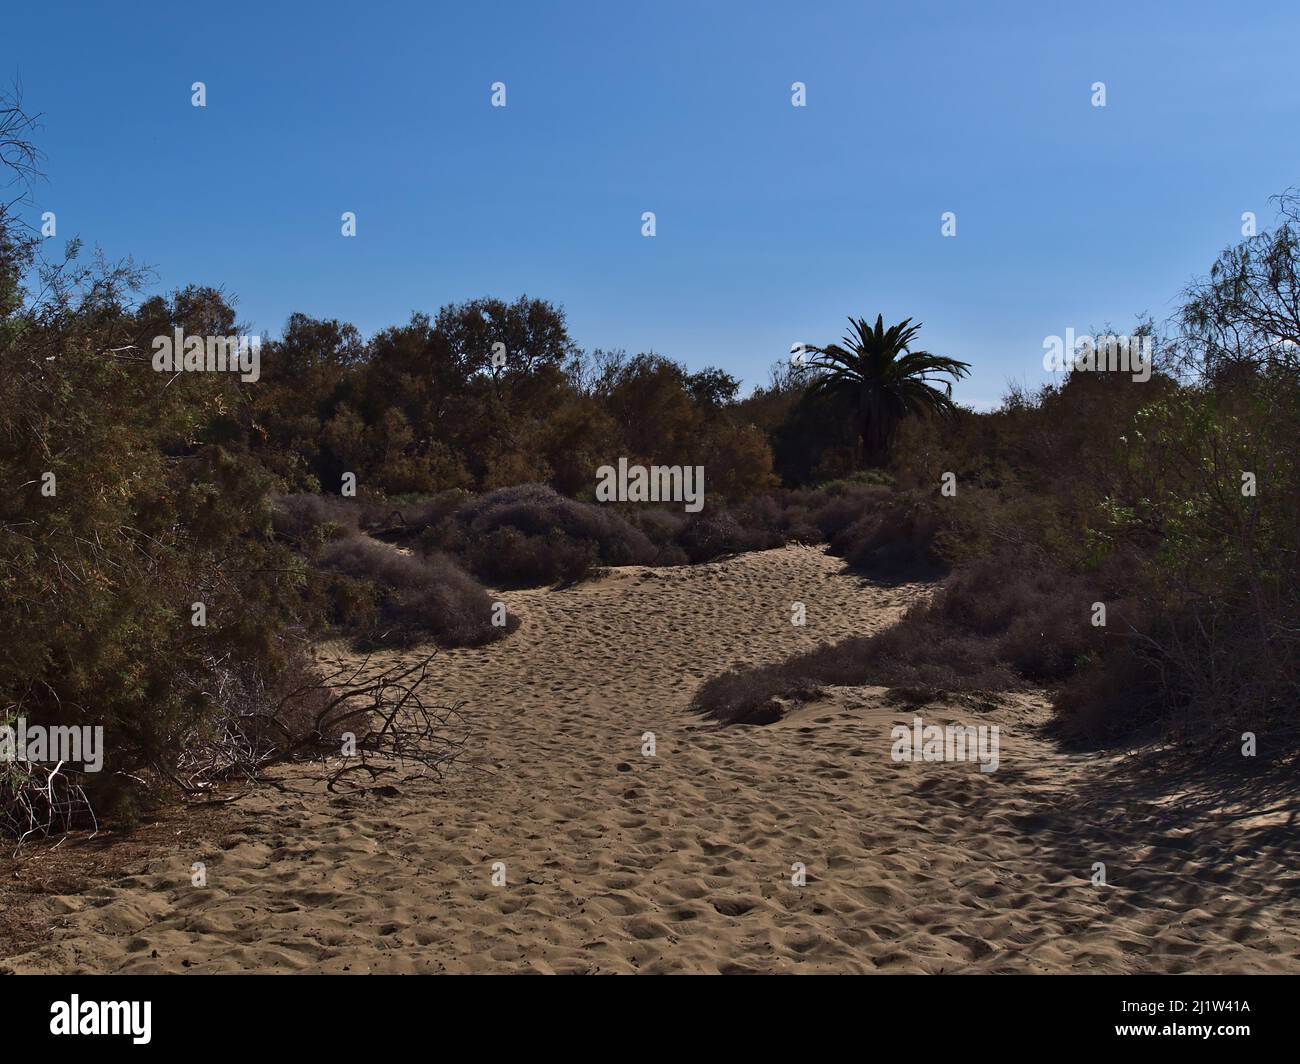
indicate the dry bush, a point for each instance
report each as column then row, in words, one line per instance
column 995, row 624
column 719, row 530
column 840, row 505
column 529, row 534
column 415, row 518
column 42, row 800
column 773, row 520
column 897, row 536
column 535, row 509
column 917, row 654
column 415, row 598
column 715, row 533
column 509, row 558
column 254, row 718
column 660, row 525
column 352, row 718
column 297, row 517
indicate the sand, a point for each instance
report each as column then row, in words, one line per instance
column 682, row 862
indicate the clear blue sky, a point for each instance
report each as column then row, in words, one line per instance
column 774, row 223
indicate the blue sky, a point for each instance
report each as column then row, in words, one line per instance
column 773, row 222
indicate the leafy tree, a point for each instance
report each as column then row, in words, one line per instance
column 1246, row 314
column 647, row 396
column 532, row 333
column 712, row 389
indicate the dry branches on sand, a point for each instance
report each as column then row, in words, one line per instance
column 354, row 719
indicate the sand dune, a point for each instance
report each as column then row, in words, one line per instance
column 682, row 862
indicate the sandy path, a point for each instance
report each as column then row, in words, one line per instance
column 616, row 862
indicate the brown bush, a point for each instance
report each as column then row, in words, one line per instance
column 918, row 654
column 296, row 517
column 996, row 624
column 415, row 598
column 897, row 537
column 508, row 557
column 529, row 534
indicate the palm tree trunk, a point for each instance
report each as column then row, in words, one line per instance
column 875, row 442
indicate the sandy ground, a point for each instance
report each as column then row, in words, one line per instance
column 683, row 862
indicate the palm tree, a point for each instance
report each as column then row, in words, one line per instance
column 883, row 380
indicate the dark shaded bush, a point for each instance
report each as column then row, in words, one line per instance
column 510, row 558
column 1111, row 699
column 535, row 509
column 671, row 554
column 660, row 525
column 297, row 517
column 897, row 536
column 1037, row 619
column 835, row 508
column 918, row 654
column 428, row 514
column 995, row 624
column 152, row 511
column 404, row 599
column 714, row 533
column 530, row 534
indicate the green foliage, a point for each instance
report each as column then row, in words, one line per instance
column 424, row 408
column 145, row 515
column 1212, row 509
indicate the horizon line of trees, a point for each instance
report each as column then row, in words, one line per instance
column 489, row 393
